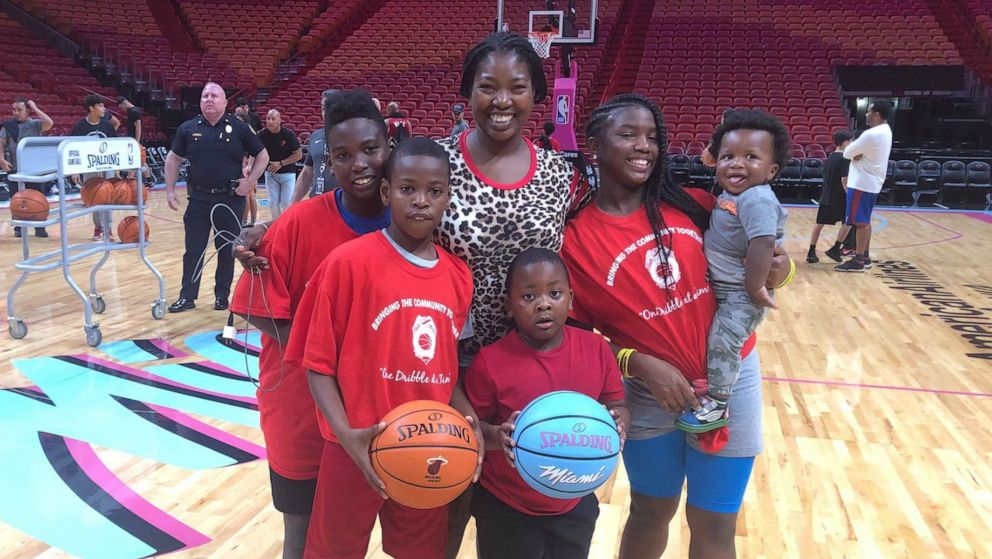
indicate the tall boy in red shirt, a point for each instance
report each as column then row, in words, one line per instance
column 294, row 247
column 540, row 355
column 378, row 327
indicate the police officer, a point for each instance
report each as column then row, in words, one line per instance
column 214, row 143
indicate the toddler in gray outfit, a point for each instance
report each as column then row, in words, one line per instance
column 750, row 147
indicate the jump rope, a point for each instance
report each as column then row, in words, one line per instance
column 230, row 241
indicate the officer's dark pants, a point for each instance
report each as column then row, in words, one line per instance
column 196, row 222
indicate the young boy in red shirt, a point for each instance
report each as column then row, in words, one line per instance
column 540, row 355
column 294, row 247
column 378, row 327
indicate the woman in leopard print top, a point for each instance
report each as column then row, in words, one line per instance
column 506, row 194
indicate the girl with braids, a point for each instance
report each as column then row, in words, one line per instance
column 636, row 260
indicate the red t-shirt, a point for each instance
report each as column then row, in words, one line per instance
column 295, row 248
column 509, row 374
column 617, row 275
column 386, row 329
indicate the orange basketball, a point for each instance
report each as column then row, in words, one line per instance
column 90, row 187
column 132, row 186
column 427, row 454
column 127, row 230
column 121, row 193
column 29, row 205
column 100, row 194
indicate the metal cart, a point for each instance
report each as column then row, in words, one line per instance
column 43, row 159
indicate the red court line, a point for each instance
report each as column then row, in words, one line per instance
column 879, row 386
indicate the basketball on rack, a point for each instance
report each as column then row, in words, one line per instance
column 132, row 188
column 100, row 192
column 127, row 230
column 427, row 454
column 90, row 187
column 121, row 193
column 29, row 205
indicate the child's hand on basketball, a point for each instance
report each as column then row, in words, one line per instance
column 621, row 428
column 506, row 437
column 356, row 443
column 481, row 440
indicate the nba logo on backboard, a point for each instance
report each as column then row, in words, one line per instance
column 561, row 110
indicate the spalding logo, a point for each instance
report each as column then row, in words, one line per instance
column 657, row 268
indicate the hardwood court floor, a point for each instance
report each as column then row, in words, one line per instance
column 878, row 426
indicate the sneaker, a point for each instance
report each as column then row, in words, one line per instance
column 40, row 232
column 867, row 263
column 835, row 254
column 97, row 234
column 852, row 265
column 847, row 252
column 17, row 232
column 811, row 257
column 712, row 414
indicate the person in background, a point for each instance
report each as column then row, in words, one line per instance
column 545, row 141
column 833, row 198
column 399, row 125
column 215, row 145
column 12, row 131
column 97, row 123
column 458, row 113
column 284, row 151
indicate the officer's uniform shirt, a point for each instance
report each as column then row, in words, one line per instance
column 214, row 152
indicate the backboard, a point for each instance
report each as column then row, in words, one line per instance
column 573, row 21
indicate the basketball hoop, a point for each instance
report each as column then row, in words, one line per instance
column 541, row 41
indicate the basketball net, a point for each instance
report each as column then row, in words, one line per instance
column 541, row 41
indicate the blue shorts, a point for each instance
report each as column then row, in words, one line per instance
column 657, row 468
column 859, row 207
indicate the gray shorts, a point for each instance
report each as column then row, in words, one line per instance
column 649, row 419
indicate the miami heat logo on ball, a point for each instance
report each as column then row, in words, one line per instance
column 424, row 338
column 434, row 464
column 657, row 268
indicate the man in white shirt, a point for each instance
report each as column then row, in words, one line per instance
column 869, row 156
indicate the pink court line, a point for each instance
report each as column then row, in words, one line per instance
column 878, row 386
column 213, row 432
column 109, row 482
column 146, row 375
column 169, row 349
column 982, row 217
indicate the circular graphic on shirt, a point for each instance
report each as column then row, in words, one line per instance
column 666, row 274
column 424, row 338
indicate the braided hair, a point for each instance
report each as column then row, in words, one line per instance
column 659, row 186
column 504, row 41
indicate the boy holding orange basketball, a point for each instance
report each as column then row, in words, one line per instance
column 539, row 356
column 378, row 327
column 269, row 298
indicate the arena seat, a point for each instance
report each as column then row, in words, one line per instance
column 979, row 179
column 954, row 177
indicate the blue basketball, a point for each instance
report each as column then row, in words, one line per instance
column 567, row 444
